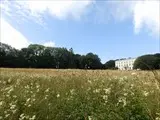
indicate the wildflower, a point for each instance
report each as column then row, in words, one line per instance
column 29, row 105
column 107, row 90
column 1, row 103
column 133, row 73
column 96, row 90
column 22, row 117
column 13, row 107
column 89, row 118
column 14, row 96
column 4, row 82
column 145, row 93
column 89, row 81
column 72, row 91
column 125, row 94
column 131, row 86
column 7, row 115
column 34, row 99
column 28, row 99
column 122, row 100
column 47, row 90
column 157, row 118
column 9, row 80
column 37, row 86
column 27, row 116
column 58, row 95
column 38, row 90
column 46, row 97
column 33, row 117
column 14, row 111
column 18, row 82
column 105, row 97
column 27, row 87
column 10, row 90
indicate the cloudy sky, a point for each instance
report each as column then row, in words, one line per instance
column 112, row 29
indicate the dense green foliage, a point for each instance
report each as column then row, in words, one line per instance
column 110, row 64
column 39, row 56
column 42, row 94
column 148, row 62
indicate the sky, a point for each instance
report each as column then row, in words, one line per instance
column 112, row 29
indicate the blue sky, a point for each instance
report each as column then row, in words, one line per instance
column 111, row 29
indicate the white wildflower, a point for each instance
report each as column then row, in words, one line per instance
column 145, row 93
column 28, row 99
column 96, row 90
column 125, row 94
column 29, row 105
column 122, row 100
column 38, row 90
column 89, row 81
column 132, row 85
column 1, row 103
column 58, row 95
column 12, row 107
column 9, row 80
column 105, row 97
column 125, row 77
column 47, row 90
column 46, row 96
column 7, row 115
column 27, row 87
column 89, row 118
column 107, row 90
column 72, row 91
column 27, row 116
column 18, row 82
column 22, row 117
column 157, row 118
column 37, row 86
column 14, row 111
column 10, row 90
column 33, row 117
column 14, row 96
column 4, row 82
column 133, row 73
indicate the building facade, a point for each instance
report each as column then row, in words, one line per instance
column 125, row 64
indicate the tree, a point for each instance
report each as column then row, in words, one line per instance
column 110, row 64
column 8, row 56
column 91, row 61
column 39, row 56
column 77, row 61
column 147, row 62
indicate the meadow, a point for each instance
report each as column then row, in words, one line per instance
column 54, row 94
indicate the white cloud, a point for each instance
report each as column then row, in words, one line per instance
column 49, row 44
column 145, row 14
column 59, row 9
column 36, row 9
column 11, row 36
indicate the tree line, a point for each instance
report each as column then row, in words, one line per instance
column 39, row 56
column 147, row 62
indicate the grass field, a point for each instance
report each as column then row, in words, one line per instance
column 46, row 94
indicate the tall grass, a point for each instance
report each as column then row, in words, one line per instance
column 31, row 94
